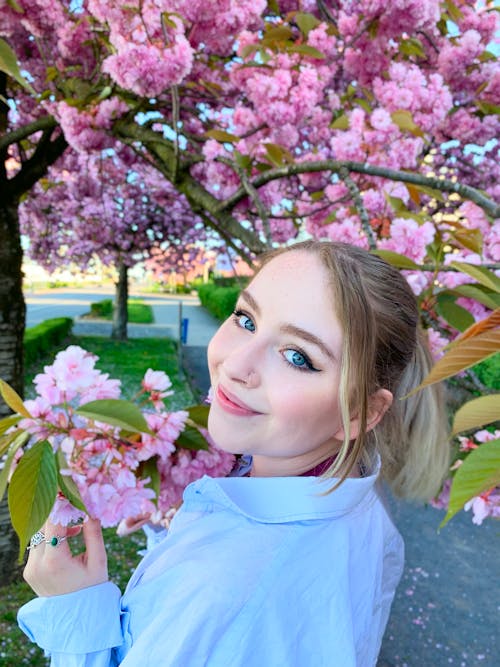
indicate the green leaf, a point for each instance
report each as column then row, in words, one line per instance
column 479, row 472
column 222, row 136
column 404, row 120
column 483, row 276
column 105, row 93
column 306, row 22
column 16, row 441
column 487, row 108
column 199, row 414
column 472, row 239
column 487, row 56
column 15, row 6
column 191, row 438
column 149, row 469
column 412, row 47
column 278, row 155
column 8, row 64
column 306, row 50
column 397, row 260
column 276, row 33
column 116, row 412
column 430, row 192
column 243, row 161
column 476, row 413
column 458, row 317
column 479, row 293
column 13, row 400
column 453, row 11
column 318, row 195
column 67, row 484
column 32, row 491
column 340, row 123
column 372, row 27
column 8, row 422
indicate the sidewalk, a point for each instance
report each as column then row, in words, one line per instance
column 446, row 608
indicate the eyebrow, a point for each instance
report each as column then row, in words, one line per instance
column 291, row 328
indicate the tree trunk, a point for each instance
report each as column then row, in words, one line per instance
column 12, row 321
column 120, row 314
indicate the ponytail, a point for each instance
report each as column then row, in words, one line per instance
column 412, row 439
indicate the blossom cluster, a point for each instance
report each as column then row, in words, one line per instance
column 110, row 466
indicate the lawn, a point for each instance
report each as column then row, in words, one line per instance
column 127, row 361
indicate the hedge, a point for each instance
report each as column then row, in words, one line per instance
column 220, row 301
column 43, row 337
column 102, row 308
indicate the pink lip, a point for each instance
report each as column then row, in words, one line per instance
column 232, row 404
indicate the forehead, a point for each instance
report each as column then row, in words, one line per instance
column 295, row 285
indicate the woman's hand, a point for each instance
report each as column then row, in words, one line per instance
column 53, row 570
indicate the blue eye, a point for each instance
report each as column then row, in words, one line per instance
column 244, row 321
column 298, row 360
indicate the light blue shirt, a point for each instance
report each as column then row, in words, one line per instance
column 254, row 572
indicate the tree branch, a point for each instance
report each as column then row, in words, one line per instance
column 254, row 196
column 360, row 208
column 487, row 204
column 44, row 123
column 46, row 153
column 175, row 123
column 160, row 150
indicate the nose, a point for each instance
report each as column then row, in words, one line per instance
column 240, row 365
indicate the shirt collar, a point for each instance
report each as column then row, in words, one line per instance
column 284, row 499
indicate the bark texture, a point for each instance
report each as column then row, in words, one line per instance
column 120, row 315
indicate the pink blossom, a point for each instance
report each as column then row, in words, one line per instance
column 156, row 381
column 64, row 513
column 409, row 238
column 442, row 500
column 483, row 506
column 437, row 343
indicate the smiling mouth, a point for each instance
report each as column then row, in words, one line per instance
column 233, row 405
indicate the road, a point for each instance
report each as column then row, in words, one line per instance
column 65, row 302
column 42, row 306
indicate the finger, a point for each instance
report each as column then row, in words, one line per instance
column 94, row 544
column 132, row 523
column 56, row 538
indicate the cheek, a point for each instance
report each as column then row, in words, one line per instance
column 304, row 408
column 220, row 347
column 214, row 350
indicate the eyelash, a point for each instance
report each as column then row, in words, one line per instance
column 237, row 314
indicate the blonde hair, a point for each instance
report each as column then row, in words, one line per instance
column 383, row 348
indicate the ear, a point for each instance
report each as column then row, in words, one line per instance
column 378, row 405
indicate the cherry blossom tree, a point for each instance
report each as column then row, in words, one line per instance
column 104, row 205
column 366, row 121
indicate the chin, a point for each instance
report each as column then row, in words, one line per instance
column 223, row 441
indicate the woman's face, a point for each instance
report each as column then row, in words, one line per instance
column 275, row 370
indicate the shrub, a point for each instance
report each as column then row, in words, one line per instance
column 220, row 301
column 488, row 371
column 38, row 340
column 102, row 308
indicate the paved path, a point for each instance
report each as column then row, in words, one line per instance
column 446, row 609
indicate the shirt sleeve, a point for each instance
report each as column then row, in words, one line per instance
column 78, row 629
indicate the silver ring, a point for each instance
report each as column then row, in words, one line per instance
column 36, row 539
column 55, row 541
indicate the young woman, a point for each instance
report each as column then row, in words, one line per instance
column 293, row 560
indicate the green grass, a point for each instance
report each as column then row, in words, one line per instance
column 127, row 361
